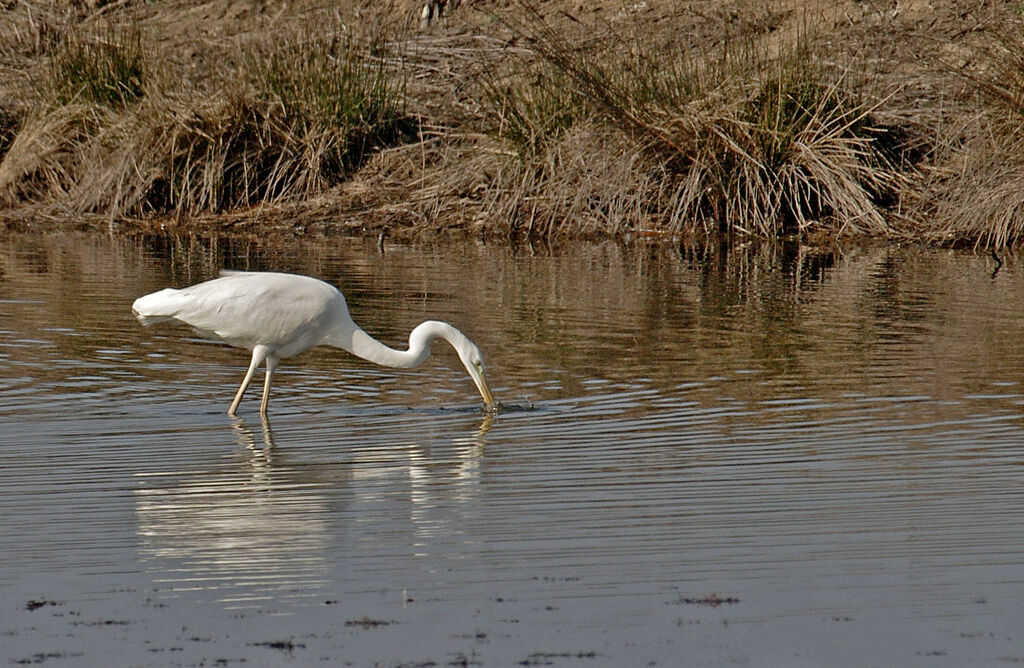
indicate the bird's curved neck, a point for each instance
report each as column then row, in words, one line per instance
column 365, row 346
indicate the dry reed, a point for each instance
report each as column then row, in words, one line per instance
column 295, row 114
column 733, row 141
column 678, row 121
column 976, row 195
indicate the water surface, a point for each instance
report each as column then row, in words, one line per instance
column 756, row 456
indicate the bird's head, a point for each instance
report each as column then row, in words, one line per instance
column 469, row 354
column 474, row 363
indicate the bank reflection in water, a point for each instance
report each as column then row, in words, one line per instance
column 260, row 528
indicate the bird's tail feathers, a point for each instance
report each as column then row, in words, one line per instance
column 158, row 306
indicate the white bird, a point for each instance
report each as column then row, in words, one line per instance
column 281, row 315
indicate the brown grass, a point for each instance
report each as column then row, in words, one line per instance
column 795, row 117
column 976, row 193
column 735, row 140
column 115, row 134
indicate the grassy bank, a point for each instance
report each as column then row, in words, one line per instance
column 541, row 120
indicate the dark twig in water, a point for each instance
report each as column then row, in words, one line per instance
column 35, row 605
column 368, row 623
column 999, row 263
column 283, row 645
column 714, row 600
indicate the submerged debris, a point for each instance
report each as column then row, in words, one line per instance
column 283, row 645
column 35, row 605
column 368, row 623
column 713, row 600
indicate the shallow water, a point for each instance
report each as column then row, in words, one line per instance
column 763, row 456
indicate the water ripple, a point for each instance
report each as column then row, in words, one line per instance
column 676, row 449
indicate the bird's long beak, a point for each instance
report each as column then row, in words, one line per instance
column 479, row 376
column 485, row 391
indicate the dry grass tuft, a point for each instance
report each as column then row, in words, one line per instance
column 977, row 193
column 41, row 162
column 107, row 68
column 731, row 141
column 539, row 119
column 292, row 115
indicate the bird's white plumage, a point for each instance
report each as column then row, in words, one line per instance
column 286, row 312
column 277, row 315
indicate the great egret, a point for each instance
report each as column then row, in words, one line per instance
column 280, row 315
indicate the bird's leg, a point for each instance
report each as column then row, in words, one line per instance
column 259, row 353
column 271, row 365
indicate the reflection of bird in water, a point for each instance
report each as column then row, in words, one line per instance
column 245, row 530
column 281, row 315
column 478, row 436
column 261, row 527
column 246, row 438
